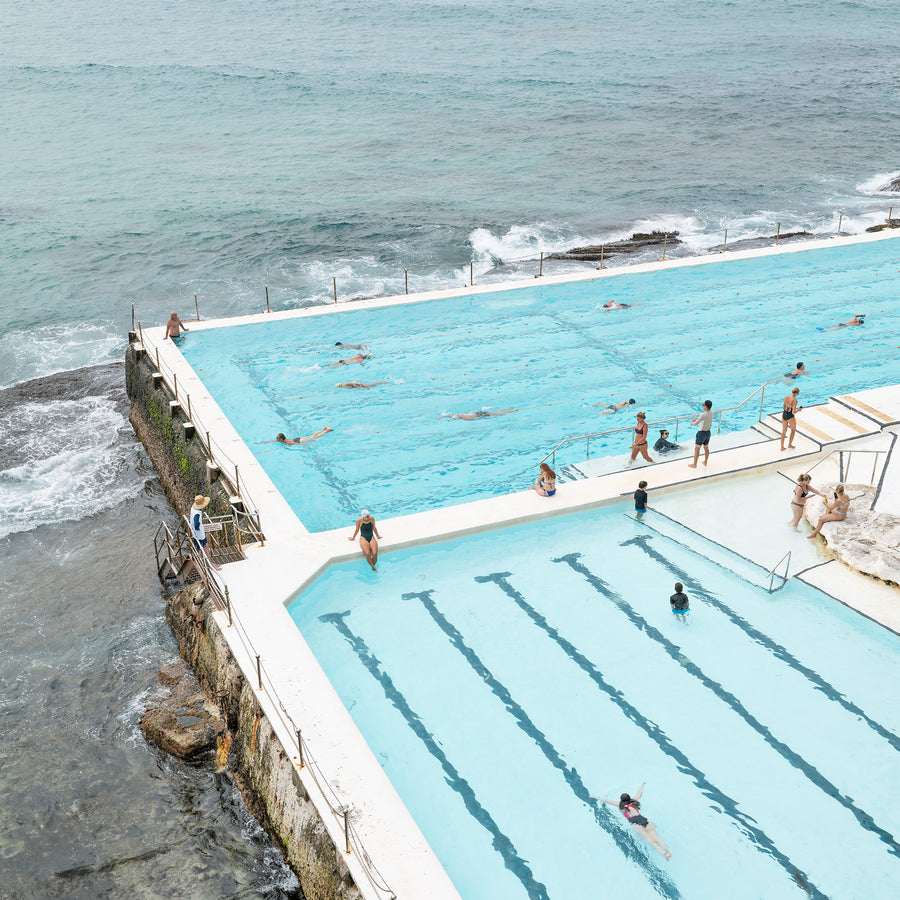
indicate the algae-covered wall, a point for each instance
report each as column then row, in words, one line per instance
column 263, row 770
column 179, row 459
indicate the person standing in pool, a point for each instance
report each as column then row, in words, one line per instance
column 546, row 483
column 368, row 532
column 704, row 424
column 640, row 500
column 679, row 603
column 631, row 809
column 174, row 326
column 640, row 439
column 789, row 411
column 802, row 489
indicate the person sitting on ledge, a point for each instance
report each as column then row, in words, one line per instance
column 835, row 510
column 546, row 483
column 281, row 439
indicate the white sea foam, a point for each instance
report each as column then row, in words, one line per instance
column 47, row 349
column 75, row 463
column 875, row 185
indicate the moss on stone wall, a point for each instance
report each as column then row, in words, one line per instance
column 263, row 771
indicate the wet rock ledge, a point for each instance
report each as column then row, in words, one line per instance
column 188, row 723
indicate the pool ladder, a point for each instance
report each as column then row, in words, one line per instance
column 771, row 572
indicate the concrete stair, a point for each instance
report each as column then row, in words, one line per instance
column 829, row 423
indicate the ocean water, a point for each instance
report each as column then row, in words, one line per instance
column 151, row 152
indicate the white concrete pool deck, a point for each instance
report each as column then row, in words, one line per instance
column 273, row 575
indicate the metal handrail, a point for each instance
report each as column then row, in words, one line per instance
column 771, row 572
column 262, row 681
column 850, row 453
column 676, row 419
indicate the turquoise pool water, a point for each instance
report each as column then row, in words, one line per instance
column 500, row 696
column 713, row 331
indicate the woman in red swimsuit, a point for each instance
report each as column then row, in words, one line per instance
column 640, row 439
column 631, row 809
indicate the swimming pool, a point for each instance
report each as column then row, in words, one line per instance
column 499, row 697
column 550, row 352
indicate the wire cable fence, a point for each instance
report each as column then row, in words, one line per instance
column 341, row 812
column 215, row 452
column 538, row 256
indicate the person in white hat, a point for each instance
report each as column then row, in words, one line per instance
column 198, row 534
column 368, row 532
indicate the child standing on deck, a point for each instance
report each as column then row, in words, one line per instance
column 640, row 500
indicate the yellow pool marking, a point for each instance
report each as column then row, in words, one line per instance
column 819, row 435
column 866, row 408
column 839, row 418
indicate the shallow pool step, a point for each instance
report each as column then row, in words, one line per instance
column 878, row 405
column 657, row 523
column 829, row 423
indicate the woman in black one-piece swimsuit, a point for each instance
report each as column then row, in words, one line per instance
column 631, row 809
column 367, row 531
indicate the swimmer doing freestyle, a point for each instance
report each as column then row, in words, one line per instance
column 631, row 809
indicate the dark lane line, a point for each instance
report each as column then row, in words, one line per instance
column 502, row 844
column 776, row 649
column 602, row 815
column 675, row 652
column 728, row 805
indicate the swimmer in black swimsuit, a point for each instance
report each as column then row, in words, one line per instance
column 631, row 809
column 800, row 370
column 802, row 490
column 367, row 531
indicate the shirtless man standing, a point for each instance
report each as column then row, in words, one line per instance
column 174, row 326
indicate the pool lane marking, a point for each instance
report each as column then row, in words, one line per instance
column 776, row 649
column 605, row 819
column 502, row 843
column 676, row 653
column 728, row 805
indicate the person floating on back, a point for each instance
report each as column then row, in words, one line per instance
column 704, row 423
column 640, row 500
column 679, row 603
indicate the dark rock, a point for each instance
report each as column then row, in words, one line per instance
column 891, row 223
column 183, row 722
column 638, row 241
column 790, row 234
column 892, row 185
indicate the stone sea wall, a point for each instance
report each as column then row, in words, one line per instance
column 249, row 747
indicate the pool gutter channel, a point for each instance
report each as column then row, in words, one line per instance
column 271, row 577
